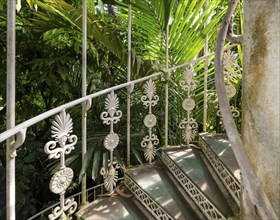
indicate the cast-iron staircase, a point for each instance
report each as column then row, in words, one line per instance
column 200, row 182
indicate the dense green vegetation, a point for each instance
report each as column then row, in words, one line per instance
column 49, row 74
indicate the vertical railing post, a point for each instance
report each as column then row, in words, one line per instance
column 205, row 80
column 166, row 86
column 129, row 87
column 205, row 86
column 11, row 96
column 84, row 92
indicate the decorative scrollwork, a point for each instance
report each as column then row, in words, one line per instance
column 148, row 143
column 188, row 125
column 228, row 179
column 189, row 129
column 231, row 68
column 154, row 208
column 61, row 129
column 112, row 115
column 111, row 141
column 150, row 99
column 61, row 180
column 189, row 83
column 188, row 104
column 110, row 174
column 59, row 212
column 230, row 90
column 235, row 114
column 150, row 120
column 203, row 203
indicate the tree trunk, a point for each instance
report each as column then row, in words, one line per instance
column 260, row 122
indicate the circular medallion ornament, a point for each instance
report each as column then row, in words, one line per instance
column 61, row 180
column 188, row 104
column 230, row 91
column 150, row 120
column 111, row 141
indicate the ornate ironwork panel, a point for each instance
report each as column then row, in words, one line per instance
column 231, row 72
column 225, row 175
column 155, row 209
column 110, row 117
column 188, row 124
column 149, row 100
column 62, row 145
column 207, row 208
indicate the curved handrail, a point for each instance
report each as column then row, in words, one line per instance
column 13, row 131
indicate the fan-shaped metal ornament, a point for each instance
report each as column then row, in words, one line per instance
column 63, row 144
column 111, row 141
column 188, row 83
column 150, row 141
column 189, row 129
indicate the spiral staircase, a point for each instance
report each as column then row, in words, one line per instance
column 199, row 182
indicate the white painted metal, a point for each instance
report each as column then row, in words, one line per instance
column 204, row 204
column 189, row 124
column 61, row 130
column 11, row 96
column 205, row 84
column 167, row 78
column 231, row 71
column 198, row 59
column 150, row 99
column 84, row 93
column 110, row 117
column 129, row 88
column 10, row 132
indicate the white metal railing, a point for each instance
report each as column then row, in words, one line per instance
column 20, row 130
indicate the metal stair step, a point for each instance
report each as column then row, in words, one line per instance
column 220, row 145
column 187, row 165
column 219, row 153
column 153, row 187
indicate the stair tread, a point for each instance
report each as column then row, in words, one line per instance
column 191, row 163
column 220, row 145
column 115, row 207
column 154, row 180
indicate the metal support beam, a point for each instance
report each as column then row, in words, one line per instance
column 84, row 93
column 205, row 85
column 11, row 96
column 129, row 90
column 166, row 86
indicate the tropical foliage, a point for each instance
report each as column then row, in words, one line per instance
column 49, row 74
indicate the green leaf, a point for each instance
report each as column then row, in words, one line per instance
column 96, row 164
column 85, row 163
